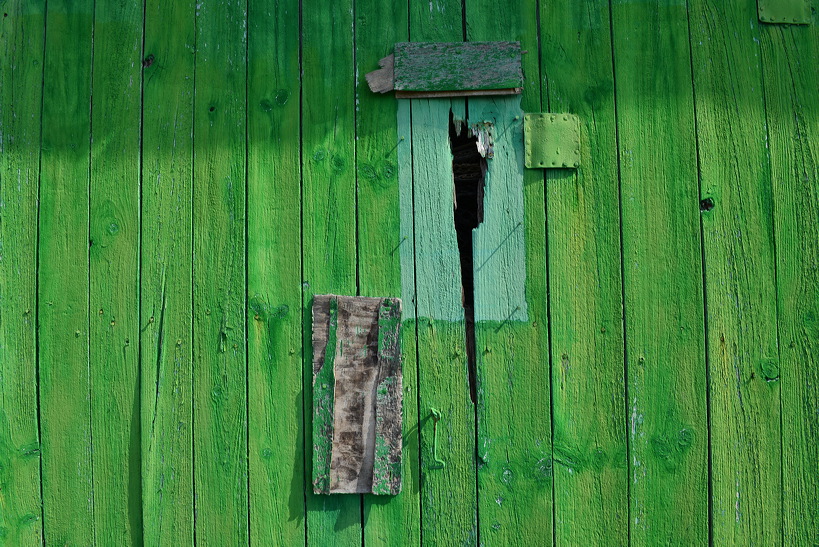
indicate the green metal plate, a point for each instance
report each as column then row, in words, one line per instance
column 552, row 140
column 792, row 12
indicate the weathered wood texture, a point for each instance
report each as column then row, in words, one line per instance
column 357, row 404
column 63, row 276
column 219, row 275
column 669, row 283
column 662, row 275
column 591, row 486
column 275, row 405
column 740, row 275
column 791, row 70
column 166, row 284
column 21, row 76
column 114, row 271
column 454, row 66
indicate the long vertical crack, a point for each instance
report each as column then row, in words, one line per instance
column 468, row 170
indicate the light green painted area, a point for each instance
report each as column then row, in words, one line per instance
column 177, row 180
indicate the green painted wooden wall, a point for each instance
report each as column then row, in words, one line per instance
column 178, row 179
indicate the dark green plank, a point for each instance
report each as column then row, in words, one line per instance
column 514, row 455
column 219, row 299
column 791, row 69
column 65, row 406
column 385, row 237
column 740, row 274
column 276, row 425
column 588, row 389
column 166, row 287
column 114, row 272
column 328, row 215
column 21, row 73
column 666, row 405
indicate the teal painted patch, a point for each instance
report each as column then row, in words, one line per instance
column 791, row 12
column 498, row 246
column 406, row 244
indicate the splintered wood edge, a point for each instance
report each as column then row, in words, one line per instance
column 325, row 323
column 457, row 93
column 383, row 79
column 388, row 419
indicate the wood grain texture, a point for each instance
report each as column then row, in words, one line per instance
column 21, row 73
column 219, row 299
column 276, row 421
column 511, row 330
column 64, row 240
column 740, row 274
column 385, row 255
column 457, row 66
column 666, row 391
column 114, row 272
column 388, row 395
column 790, row 60
column 324, row 342
column 585, row 285
column 328, row 212
column 166, row 284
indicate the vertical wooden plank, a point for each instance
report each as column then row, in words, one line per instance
column 740, row 272
column 114, row 272
column 585, row 283
column 65, row 405
column 668, row 435
column 276, row 424
column 514, row 447
column 791, row 69
column 166, row 288
column 21, row 73
column 382, row 245
column 219, row 365
column 448, row 489
column 328, row 214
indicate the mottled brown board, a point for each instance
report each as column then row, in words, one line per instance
column 357, row 400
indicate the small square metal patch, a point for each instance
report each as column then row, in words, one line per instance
column 552, row 140
column 790, row 12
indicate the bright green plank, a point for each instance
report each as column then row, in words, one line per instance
column 591, row 491
column 328, row 216
column 114, row 273
column 65, row 406
column 514, row 426
column 166, row 284
column 739, row 273
column 388, row 520
column 219, row 299
column 21, row 73
column 274, row 277
column 668, row 435
column 791, row 70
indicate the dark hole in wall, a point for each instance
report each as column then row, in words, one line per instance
column 468, row 170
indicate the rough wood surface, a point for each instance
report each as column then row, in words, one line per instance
column 388, row 401
column 585, row 288
column 457, row 66
column 275, row 404
column 166, row 287
column 114, row 271
column 790, row 57
column 219, row 280
column 662, row 265
column 324, row 342
column 21, row 96
column 740, row 275
column 63, row 311
column 382, row 80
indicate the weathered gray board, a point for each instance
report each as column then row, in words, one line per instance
column 356, row 395
column 428, row 69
